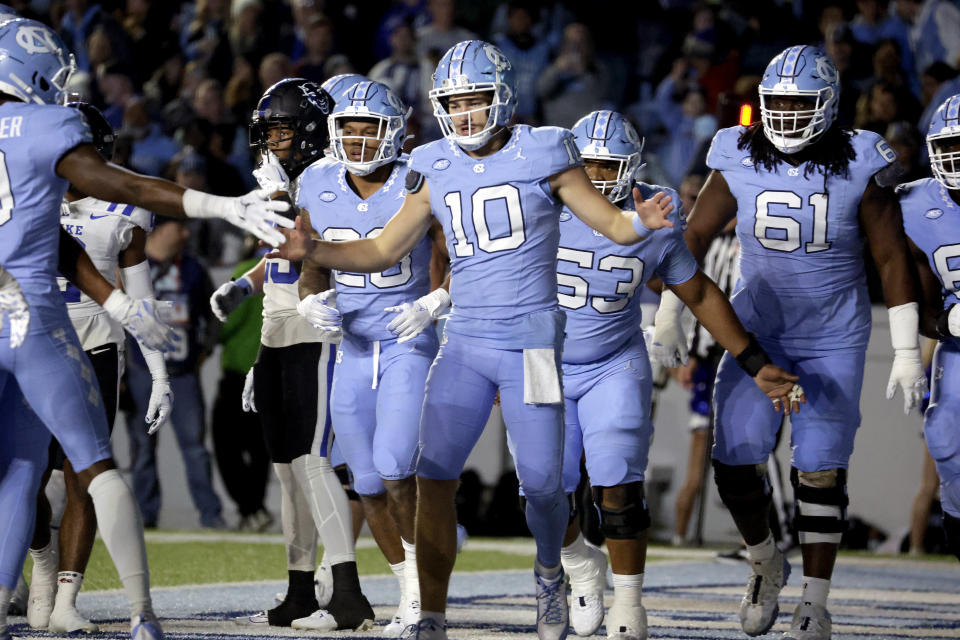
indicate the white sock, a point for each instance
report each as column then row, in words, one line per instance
column 68, row 586
column 44, row 560
column 411, row 579
column 121, row 529
column 763, row 551
column 439, row 617
column 329, row 506
column 299, row 531
column 815, row 591
column 574, row 552
column 397, row 570
column 5, row 594
column 627, row 589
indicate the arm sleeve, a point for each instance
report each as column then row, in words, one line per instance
column 136, row 280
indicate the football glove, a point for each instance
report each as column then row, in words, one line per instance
column 270, row 175
column 907, row 369
column 228, row 297
column 254, row 212
column 414, row 317
column 139, row 318
column 320, row 310
column 670, row 347
column 246, row 398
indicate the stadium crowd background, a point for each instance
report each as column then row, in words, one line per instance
column 178, row 81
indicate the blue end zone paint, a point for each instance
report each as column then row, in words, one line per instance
column 685, row 601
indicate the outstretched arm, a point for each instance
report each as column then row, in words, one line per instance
column 574, row 189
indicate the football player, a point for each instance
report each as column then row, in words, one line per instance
column 805, row 193
column 383, row 358
column 931, row 218
column 43, row 147
column 290, row 381
column 497, row 191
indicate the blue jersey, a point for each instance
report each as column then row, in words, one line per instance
column 33, row 139
column 502, row 230
column 338, row 213
column 801, row 246
column 598, row 279
column 931, row 219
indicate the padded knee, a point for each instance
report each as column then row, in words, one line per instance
column 820, row 514
column 743, row 488
column 951, row 529
column 628, row 521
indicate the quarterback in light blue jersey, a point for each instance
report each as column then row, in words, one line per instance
column 43, row 147
column 805, row 194
column 497, row 191
column 931, row 218
column 383, row 358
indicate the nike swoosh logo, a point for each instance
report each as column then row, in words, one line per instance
column 96, row 351
column 93, row 217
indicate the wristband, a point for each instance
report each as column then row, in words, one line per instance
column 642, row 230
column 943, row 323
column 753, row 358
column 245, row 285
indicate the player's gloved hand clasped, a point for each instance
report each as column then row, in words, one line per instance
column 14, row 306
column 416, row 316
column 139, row 318
column 320, row 310
column 254, row 212
column 228, row 297
column 160, row 405
column 270, row 175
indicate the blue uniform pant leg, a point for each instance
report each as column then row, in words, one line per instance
column 822, row 433
column 353, row 406
column 537, row 432
column 572, row 442
column 457, row 400
column 746, row 423
column 403, row 376
column 187, row 421
column 57, row 380
column 23, row 457
column 616, row 424
column 942, row 424
column 143, row 448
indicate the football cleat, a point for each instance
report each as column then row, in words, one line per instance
column 588, row 578
column 759, row 607
column 810, row 622
column 425, row 630
column 396, row 626
column 552, row 613
column 259, row 618
column 627, row 623
column 67, row 619
column 145, row 627
column 43, row 590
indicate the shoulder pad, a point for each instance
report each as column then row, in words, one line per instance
column 724, row 153
column 414, row 181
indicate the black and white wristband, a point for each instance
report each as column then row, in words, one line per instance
column 943, row 322
column 753, row 357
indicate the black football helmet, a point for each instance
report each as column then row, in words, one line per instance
column 103, row 134
column 301, row 105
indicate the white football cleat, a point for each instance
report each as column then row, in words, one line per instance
column 319, row 620
column 553, row 621
column 43, row 592
column 323, row 584
column 67, row 619
column 627, row 623
column 411, row 612
column 759, row 607
column 258, row 618
column 145, row 627
column 425, row 630
column 396, row 626
column 588, row 579
column 810, row 622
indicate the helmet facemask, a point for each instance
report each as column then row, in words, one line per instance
column 498, row 112
column 944, row 150
column 375, row 150
column 626, row 166
column 791, row 130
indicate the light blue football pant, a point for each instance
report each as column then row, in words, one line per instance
column 376, row 403
column 942, row 423
column 460, row 389
column 51, row 372
column 822, row 433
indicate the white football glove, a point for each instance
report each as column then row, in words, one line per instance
column 13, row 305
column 228, row 297
column 254, row 212
column 907, row 369
column 161, row 404
column 246, row 397
column 270, row 175
column 139, row 318
column 320, row 310
column 669, row 348
column 416, row 316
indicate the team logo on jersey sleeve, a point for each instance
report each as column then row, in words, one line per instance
column 933, row 214
column 441, row 164
column 328, row 196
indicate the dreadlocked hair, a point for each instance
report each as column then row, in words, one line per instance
column 831, row 154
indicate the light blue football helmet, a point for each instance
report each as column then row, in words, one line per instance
column 7, row 13
column 35, row 64
column 806, row 72
column 374, row 102
column 944, row 125
column 337, row 85
column 608, row 136
column 474, row 66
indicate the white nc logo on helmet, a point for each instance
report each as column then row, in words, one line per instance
column 395, row 102
column 826, row 70
column 499, row 60
column 631, row 133
column 36, row 40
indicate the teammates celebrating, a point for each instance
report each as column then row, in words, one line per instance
column 548, row 235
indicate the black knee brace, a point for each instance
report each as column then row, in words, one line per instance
column 343, row 474
column 743, row 488
column 627, row 522
column 951, row 529
column 835, row 497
